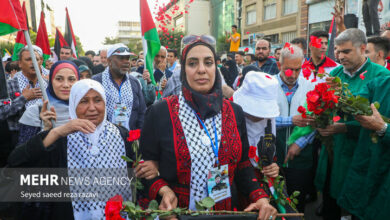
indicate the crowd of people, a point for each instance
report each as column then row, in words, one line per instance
column 202, row 118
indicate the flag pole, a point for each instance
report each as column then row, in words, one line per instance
column 36, row 68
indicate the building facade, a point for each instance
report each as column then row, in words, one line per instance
column 128, row 30
column 279, row 20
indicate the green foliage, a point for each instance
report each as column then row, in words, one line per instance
column 222, row 45
column 173, row 40
column 6, row 45
column 109, row 40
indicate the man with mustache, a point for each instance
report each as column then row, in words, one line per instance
column 23, row 91
column 125, row 100
column 264, row 62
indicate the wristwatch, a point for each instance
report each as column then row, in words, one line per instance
column 382, row 131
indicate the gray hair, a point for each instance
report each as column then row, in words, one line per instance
column 354, row 35
column 164, row 48
column 294, row 53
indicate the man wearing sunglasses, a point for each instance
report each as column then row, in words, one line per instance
column 125, row 100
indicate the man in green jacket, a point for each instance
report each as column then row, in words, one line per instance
column 356, row 70
column 365, row 192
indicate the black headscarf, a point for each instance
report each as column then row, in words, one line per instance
column 246, row 70
column 206, row 105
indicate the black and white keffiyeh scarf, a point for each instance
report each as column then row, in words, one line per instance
column 202, row 157
column 24, row 82
column 103, row 159
column 112, row 94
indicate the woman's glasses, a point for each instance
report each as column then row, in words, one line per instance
column 190, row 39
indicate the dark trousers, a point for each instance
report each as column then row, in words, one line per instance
column 370, row 17
column 299, row 180
column 330, row 210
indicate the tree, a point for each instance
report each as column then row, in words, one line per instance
column 6, row 45
column 79, row 46
column 135, row 45
column 171, row 40
column 109, row 40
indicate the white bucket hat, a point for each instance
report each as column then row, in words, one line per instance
column 258, row 95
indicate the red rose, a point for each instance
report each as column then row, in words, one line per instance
column 134, row 135
column 306, row 73
column 312, row 96
column 301, row 109
column 113, row 208
column 286, row 45
column 252, row 152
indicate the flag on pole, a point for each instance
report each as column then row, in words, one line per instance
column 42, row 40
column 332, row 36
column 150, row 40
column 20, row 41
column 12, row 17
column 69, row 35
column 59, row 43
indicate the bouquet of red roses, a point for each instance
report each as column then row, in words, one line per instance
column 322, row 103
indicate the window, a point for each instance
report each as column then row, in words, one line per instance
column 288, row 36
column 274, row 38
column 269, row 9
column 179, row 20
column 290, row 6
column 251, row 14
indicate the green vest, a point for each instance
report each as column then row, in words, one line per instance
column 344, row 144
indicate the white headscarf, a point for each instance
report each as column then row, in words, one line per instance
column 78, row 91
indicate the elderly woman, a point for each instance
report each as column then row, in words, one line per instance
column 87, row 141
column 198, row 138
column 63, row 75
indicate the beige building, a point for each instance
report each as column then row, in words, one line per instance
column 279, row 20
column 128, row 30
column 196, row 21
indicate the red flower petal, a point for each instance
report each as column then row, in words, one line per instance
column 248, row 32
column 268, row 77
column 287, row 44
column 362, row 76
column 336, row 118
column 17, row 94
column 134, row 135
column 288, row 93
column 314, row 80
column 288, row 72
column 254, row 180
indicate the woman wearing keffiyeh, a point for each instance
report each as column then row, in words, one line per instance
column 193, row 134
column 87, row 146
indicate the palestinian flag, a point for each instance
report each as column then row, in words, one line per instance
column 20, row 41
column 42, row 40
column 12, row 17
column 69, row 35
column 332, row 36
column 59, row 43
column 150, row 39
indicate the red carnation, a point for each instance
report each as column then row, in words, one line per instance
column 113, row 208
column 252, row 152
column 336, row 118
column 246, row 49
column 287, row 44
column 134, row 135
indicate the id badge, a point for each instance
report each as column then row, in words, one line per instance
column 120, row 115
column 218, row 185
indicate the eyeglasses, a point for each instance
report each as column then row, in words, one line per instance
column 190, row 39
column 121, row 50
